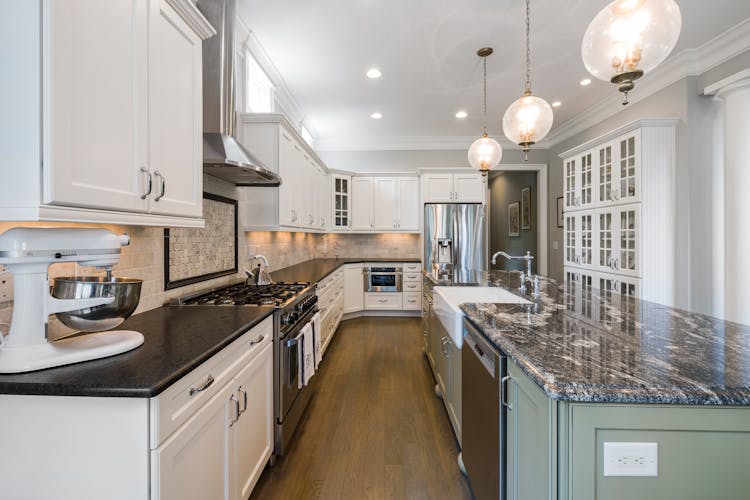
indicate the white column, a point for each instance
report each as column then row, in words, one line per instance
column 735, row 92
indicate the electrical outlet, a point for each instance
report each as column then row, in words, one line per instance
column 631, row 459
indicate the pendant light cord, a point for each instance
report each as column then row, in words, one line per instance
column 528, row 50
column 484, row 60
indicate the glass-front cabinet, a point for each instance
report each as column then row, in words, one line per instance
column 341, row 202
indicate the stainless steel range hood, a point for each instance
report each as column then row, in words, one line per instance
column 223, row 156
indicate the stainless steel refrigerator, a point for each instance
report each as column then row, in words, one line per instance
column 455, row 240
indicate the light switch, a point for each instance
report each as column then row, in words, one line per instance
column 555, row 245
column 631, row 459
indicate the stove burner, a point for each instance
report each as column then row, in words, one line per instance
column 241, row 294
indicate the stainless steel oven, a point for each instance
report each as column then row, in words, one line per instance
column 382, row 278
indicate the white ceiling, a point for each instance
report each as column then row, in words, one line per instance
column 426, row 50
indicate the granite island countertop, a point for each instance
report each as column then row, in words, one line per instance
column 584, row 345
column 314, row 270
column 177, row 340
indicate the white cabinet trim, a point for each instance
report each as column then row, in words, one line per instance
column 193, row 17
column 614, row 134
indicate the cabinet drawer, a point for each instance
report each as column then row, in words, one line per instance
column 175, row 405
column 387, row 300
column 409, row 277
column 412, row 286
column 412, row 267
column 412, row 301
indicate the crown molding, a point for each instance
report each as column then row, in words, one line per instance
column 739, row 78
column 189, row 13
column 405, row 143
column 612, row 134
column 689, row 62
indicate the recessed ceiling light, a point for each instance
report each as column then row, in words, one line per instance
column 556, row 104
column 461, row 115
column 585, row 81
column 376, row 116
column 374, row 73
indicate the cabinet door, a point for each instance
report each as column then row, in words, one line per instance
column 605, row 233
column 175, row 113
column 572, row 245
column 288, row 207
column 454, row 389
column 362, row 198
column 627, row 222
column 341, row 202
column 468, row 188
column 585, row 238
column 385, row 199
column 529, row 435
column 192, row 463
column 586, row 180
column 95, row 104
column 408, row 204
column 324, row 197
column 437, row 188
column 441, row 359
column 605, row 175
column 571, row 184
column 628, row 170
column 354, row 294
column 622, row 285
column 252, row 433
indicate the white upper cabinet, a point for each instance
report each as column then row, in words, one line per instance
column 408, row 203
column 121, row 108
column 453, row 188
column 175, row 113
column 341, row 217
column 618, row 211
column 362, row 198
column 385, row 207
column 303, row 199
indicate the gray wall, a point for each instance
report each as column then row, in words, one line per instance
column 506, row 188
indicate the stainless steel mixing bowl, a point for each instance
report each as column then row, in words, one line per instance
column 126, row 291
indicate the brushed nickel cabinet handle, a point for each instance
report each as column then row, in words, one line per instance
column 163, row 185
column 504, row 392
column 257, row 340
column 209, row 381
column 244, row 399
column 236, row 404
column 150, row 183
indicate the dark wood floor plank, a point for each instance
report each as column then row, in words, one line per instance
column 374, row 428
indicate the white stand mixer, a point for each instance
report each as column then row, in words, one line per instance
column 27, row 253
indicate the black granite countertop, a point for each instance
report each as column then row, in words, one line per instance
column 312, row 271
column 581, row 344
column 177, row 340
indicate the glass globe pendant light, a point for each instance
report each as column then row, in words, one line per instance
column 529, row 119
column 485, row 153
column 629, row 38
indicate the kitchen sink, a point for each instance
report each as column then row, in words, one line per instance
column 447, row 299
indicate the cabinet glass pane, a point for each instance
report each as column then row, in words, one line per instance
column 338, row 202
column 605, row 239
column 627, row 289
column 344, row 203
column 345, row 221
column 627, row 167
column 344, row 186
column 570, row 239
column 570, row 183
column 605, row 174
column 338, row 220
column 587, row 239
column 627, row 239
column 586, row 180
column 338, row 185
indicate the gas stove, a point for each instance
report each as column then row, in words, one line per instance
column 241, row 294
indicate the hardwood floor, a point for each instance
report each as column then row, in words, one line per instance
column 374, row 428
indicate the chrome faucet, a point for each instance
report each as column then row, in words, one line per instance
column 528, row 277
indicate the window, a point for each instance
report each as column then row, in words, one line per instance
column 259, row 91
column 306, row 135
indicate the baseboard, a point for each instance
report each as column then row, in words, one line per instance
column 391, row 314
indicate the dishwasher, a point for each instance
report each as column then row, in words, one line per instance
column 483, row 447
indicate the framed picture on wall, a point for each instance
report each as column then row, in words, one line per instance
column 514, row 221
column 526, row 208
column 560, row 211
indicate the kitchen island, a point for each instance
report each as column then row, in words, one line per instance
column 588, row 367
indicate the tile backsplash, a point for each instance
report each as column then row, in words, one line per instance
column 144, row 259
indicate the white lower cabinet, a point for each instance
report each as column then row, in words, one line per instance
column 383, row 301
column 330, row 292
column 354, row 294
column 222, row 448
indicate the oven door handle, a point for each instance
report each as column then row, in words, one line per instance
column 382, row 274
